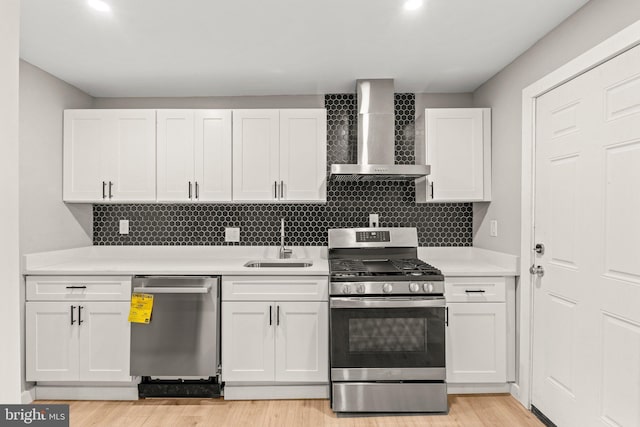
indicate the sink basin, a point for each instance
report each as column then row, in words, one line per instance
column 279, row 263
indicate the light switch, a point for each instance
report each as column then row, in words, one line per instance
column 124, row 226
column 494, row 228
column 231, row 234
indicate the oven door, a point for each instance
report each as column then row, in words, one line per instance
column 387, row 338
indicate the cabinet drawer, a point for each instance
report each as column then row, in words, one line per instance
column 73, row 288
column 272, row 288
column 474, row 289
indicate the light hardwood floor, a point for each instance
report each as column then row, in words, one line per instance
column 465, row 411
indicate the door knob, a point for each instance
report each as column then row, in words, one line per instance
column 539, row 248
column 538, row 270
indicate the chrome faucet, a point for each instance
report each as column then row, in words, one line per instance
column 284, row 252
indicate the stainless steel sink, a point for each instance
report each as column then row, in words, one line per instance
column 279, row 263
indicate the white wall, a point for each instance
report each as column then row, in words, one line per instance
column 10, row 350
column 442, row 100
column 590, row 25
column 46, row 223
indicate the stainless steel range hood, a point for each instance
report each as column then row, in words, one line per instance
column 376, row 138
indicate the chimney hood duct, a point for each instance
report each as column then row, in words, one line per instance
column 376, row 138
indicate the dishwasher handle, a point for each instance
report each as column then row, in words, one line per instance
column 173, row 290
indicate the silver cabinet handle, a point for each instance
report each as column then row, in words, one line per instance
column 190, row 190
column 104, row 190
column 197, row 190
column 281, row 189
column 110, row 186
column 80, row 315
column 73, row 307
column 172, row 290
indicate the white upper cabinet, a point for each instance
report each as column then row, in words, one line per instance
column 279, row 155
column 194, row 155
column 457, row 146
column 109, row 155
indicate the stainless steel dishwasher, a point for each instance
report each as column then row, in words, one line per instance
column 181, row 341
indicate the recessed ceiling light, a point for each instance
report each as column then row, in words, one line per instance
column 99, row 5
column 412, row 4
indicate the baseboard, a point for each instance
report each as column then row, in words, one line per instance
column 258, row 392
column 478, row 388
column 28, row 396
column 542, row 417
column 50, row 392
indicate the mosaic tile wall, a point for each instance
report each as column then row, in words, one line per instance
column 348, row 203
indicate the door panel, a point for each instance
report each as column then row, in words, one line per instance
column 51, row 341
column 302, row 341
column 104, row 341
column 303, row 154
column 248, row 341
column 175, row 148
column 586, row 349
column 256, row 169
column 213, row 155
column 133, row 171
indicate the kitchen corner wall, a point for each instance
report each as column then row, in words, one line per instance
column 348, row 203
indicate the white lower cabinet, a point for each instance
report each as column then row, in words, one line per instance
column 273, row 342
column 72, row 333
column 77, row 341
column 480, row 340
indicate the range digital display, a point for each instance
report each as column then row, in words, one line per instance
column 372, row 236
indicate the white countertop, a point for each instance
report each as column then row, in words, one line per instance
column 230, row 260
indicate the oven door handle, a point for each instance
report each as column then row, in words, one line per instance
column 385, row 302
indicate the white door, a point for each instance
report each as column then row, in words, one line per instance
column 302, row 342
column 85, row 141
column 476, row 343
column 303, row 154
column 212, row 155
column 104, row 341
column 175, row 148
column 248, row 341
column 456, row 152
column 132, row 171
column 51, row 341
column 256, row 170
column 586, row 348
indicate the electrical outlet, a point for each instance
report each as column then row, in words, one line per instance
column 374, row 220
column 494, row 228
column 124, row 226
column 231, row 234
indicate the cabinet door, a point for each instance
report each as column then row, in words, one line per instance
column 476, row 343
column 302, row 342
column 458, row 148
column 248, row 341
column 132, row 148
column 51, row 341
column 256, row 173
column 104, row 341
column 85, row 143
column 303, row 154
column 213, row 155
column 175, row 145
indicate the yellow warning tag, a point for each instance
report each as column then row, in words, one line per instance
column 141, row 307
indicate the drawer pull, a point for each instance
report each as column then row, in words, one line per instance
column 77, row 287
column 475, row 291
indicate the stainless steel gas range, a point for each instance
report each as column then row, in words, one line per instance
column 387, row 323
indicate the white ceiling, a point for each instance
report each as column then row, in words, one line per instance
column 262, row 47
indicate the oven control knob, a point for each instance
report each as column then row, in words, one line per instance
column 387, row 288
column 360, row 288
column 428, row 287
column 346, row 289
column 414, row 287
